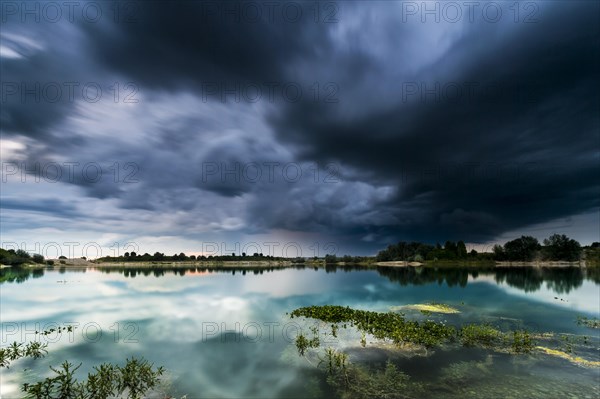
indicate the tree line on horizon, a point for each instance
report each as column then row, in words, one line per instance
column 182, row 257
column 557, row 247
column 20, row 256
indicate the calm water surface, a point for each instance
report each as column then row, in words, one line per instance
column 225, row 334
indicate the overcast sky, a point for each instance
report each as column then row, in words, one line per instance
column 301, row 126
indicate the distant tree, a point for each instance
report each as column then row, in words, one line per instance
column 126, row 254
column 255, row 254
column 182, row 256
column 450, row 246
column 133, row 254
column 473, row 252
column 461, row 250
column 50, row 262
column 384, row 255
column 561, row 247
column 330, row 258
column 233, row 254
column 523, row 248
column 595, row 244
column 62, row 257
column 193, row 257
column 450, row 250
column 499, row 252
column 243, row 254
column 84, row 258
column 21, row 253
column 37, row 258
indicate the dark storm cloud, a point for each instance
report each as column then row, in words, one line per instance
column 35, row 87
column 518, row 146
column 191, row 43
column 522, row 151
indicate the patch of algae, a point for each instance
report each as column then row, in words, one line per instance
column 567, row 356
column 427, row 307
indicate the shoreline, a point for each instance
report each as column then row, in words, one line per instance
column 282, row 264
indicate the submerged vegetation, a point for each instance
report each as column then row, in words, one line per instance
column 587, row 322
column 350, row 379
column 427, row 308
column 427, row 333
column 133, row 380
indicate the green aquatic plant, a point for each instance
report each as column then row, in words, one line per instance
column 428, row 333
column 34, row 349
column 427, row 308
column 136, row 378
column 479, row 335
column 466, row 373
column 303, row 343
column 359, row 382
column 335, row 361
column 587, row 322
column 391, row 326
column 17, row 350
column 522, row 342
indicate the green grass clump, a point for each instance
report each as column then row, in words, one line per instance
column 522, row 342
column 391, row 326
column 479, row 335
column 587, row 322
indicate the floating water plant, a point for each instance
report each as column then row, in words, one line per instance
column 428, row 333
column 587, row 322
column 573, row 359
column 427, row 308
column 390, row 326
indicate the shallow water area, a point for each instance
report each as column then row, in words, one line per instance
column 225, row 333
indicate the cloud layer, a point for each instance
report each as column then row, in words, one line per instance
column 358, row 123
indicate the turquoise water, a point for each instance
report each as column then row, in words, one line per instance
column 225, row 333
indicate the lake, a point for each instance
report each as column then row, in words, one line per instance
column 225, row 333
